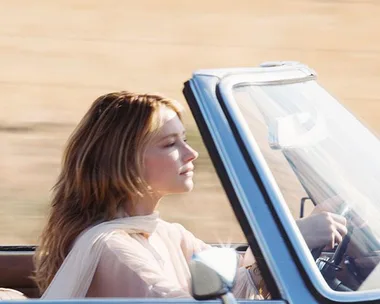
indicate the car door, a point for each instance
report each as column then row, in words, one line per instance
column 16, row 268
column 285, row 262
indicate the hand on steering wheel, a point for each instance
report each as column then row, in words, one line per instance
column 331, row 222
column 323, row 227
column 323, row 230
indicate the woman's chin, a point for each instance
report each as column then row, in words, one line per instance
column 187, row 186
column 179, row 189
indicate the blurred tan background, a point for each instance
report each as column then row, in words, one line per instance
column 57, row 56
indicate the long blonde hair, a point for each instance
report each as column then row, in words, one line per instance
column 101, row 170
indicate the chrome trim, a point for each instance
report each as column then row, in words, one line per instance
column 14, row 253
column 226, row 86
column 278, row 82
column 221, row 73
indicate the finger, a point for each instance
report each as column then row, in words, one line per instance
column 335, row 237
column 342, row 229
column 338, row 218
column 332, row 244
column 338, row 238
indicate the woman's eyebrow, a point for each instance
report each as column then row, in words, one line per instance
column 173, row 135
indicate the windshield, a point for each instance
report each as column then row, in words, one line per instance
column 317, row 150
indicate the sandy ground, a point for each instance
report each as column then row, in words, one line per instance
column 57, row 56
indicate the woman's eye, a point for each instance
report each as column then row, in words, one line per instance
column 173, row 143
column 169, row 145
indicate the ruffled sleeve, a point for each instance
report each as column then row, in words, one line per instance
column 127, row 269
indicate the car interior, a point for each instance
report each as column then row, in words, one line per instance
column 16, row 270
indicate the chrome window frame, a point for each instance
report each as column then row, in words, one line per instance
column 242, row 187
column 226, row 98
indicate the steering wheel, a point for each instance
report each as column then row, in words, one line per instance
column 330, row 267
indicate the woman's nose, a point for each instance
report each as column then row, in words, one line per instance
column 190, row 154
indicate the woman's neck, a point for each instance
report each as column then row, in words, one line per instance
column 143, row 205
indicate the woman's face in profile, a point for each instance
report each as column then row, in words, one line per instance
column 168, row 159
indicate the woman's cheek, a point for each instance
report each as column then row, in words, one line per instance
column 159, row 162
column 173, row 156
column 168, row 163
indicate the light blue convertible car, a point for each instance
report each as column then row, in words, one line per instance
column 281, row 144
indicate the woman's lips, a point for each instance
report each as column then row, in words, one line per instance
column 188, row 172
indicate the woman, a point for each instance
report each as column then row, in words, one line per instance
column 104, row 237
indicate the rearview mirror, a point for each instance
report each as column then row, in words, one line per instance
column 213, row 274
column 297, row 130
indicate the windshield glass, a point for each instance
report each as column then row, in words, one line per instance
column 317, row 150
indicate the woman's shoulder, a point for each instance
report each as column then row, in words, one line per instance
column 172, row 227
column 119, row 245
column 116, row 238
column 175, row 231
